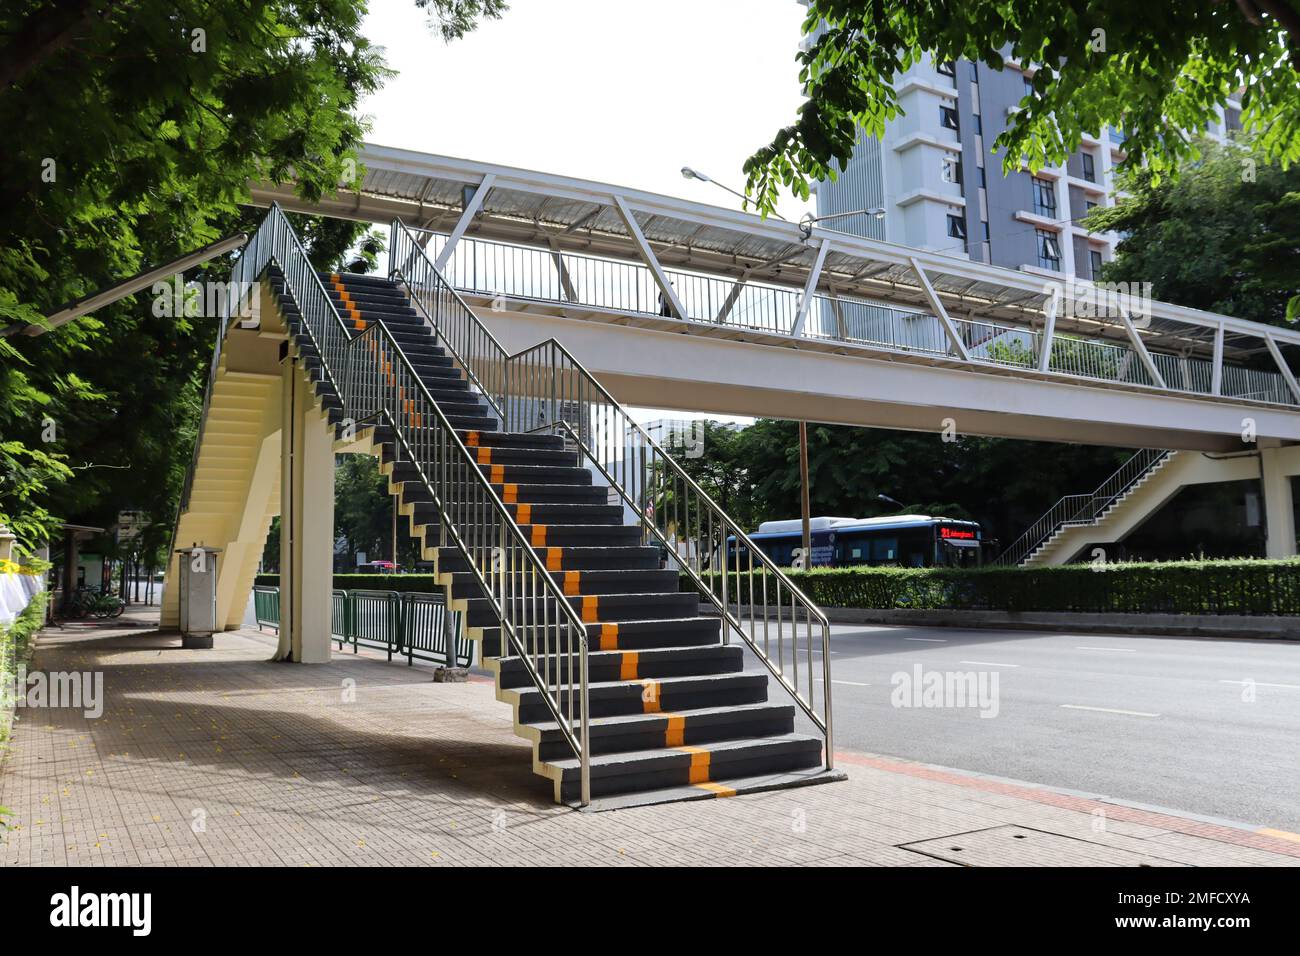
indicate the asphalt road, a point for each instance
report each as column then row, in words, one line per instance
column 1209, row 727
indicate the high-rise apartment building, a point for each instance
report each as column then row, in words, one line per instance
column 943, row 190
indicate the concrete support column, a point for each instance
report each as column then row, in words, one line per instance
column 306, row 524
column 1279, row 509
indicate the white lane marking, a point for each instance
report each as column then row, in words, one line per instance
column 928, row 640
column 1121, row 650
column 1258, row 683
column 1109, row 710
column 848, row 683
column 989, row 664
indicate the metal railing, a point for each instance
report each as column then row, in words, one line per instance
column 399, row 622
column 545, row 389
column 1073, row 510
column 495, row 268
column 377, row 386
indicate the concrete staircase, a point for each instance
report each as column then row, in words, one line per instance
column 674, row 712
column 1111, row 518
column 235, row 485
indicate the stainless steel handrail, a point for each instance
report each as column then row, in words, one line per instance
column 374, row 380
column 1083, row 509
column 544, row 388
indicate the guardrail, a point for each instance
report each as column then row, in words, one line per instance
column 544, row 388
column 491, row 267
column 403, row 623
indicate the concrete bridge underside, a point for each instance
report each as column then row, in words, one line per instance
column 695, row 367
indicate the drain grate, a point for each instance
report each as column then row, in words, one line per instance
column 1022, row 846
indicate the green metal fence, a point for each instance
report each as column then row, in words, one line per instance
column 402, row 623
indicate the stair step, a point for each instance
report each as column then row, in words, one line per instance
column 622, row 635
column 547, row 493
column 632, row 732
column 710, row 763
column 601, row 608
column 536, row 474
column 652, row 664
column 465, row 584
column 671, row 694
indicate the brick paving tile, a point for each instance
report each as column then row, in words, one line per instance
column 218, row 757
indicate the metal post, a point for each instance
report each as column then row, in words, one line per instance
column 803, row 494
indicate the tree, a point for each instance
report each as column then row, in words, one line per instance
column 1150, row 69
column 1225, row 236
column 134, row 132
column 1005, row 485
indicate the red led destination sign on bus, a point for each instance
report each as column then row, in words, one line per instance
column 956, row 533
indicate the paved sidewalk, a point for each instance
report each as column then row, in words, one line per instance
column 219, row 757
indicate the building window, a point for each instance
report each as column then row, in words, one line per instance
column 1044, row 197
column 956, row 227
column 984, row 184
column 1049, row 250
column 1089, row 205
column 1029, row 83
column 1094, row 259
column 985, row 224
column 952, row 170
column 978, row 123
column 948, row 118
column 947, row 69
column 1089, row 167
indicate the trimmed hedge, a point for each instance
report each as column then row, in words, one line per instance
column 420, row 583
column 1182, row 587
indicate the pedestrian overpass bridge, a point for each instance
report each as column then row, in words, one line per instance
column 489, row 373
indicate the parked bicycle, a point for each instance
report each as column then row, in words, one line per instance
column 91, row 602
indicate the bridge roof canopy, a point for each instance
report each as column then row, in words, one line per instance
column 574, row 215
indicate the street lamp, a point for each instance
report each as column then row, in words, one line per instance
column 891, row 501
column 809, row 220
column 689, row 173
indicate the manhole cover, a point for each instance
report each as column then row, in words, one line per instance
column 1021, row 846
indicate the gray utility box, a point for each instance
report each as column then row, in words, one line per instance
column 198, row 584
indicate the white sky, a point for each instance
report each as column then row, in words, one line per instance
column 610, row 90
column 616, row 91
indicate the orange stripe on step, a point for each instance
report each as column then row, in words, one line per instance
column 484, row 455
column 628, row 665
column 675, row 733
column 650, row 696
column 609, row 637
column 539, row 531
column 590, row 607
column 510, row 494
column 572, row 581
column 471, row 440
column 717, row 789
column 498, row 474
column 523, row 514
column 699, row 764
column 554, row 559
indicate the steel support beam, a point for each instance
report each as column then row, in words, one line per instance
column 1140, row 348
column 1216, row 376
column 1282, row 366
column 954, row 337
column 649, row 258
column 1049, row 330
column 471, row 210
column 810, row 288
column 566, row 282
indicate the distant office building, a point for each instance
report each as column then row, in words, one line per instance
column 943, row 191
